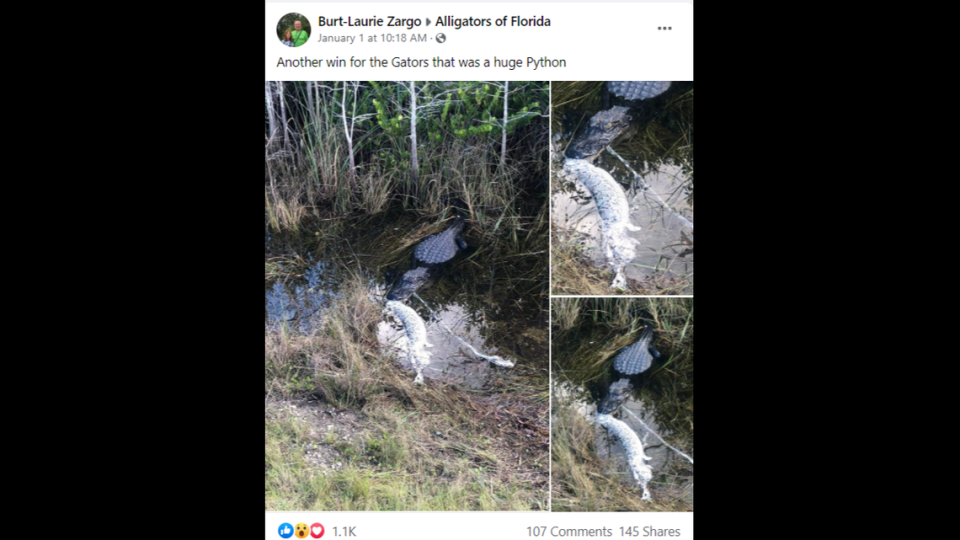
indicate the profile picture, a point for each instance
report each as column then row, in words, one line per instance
column 293, row 30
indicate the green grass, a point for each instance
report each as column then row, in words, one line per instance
column 396, row 470
column 587, row 334
column 394, row 445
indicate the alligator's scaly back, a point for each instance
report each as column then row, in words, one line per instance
column 636, row 358
column 441, row 247
column 638, row 89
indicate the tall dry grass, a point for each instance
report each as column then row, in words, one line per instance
column 587, row 335
column 403, row 446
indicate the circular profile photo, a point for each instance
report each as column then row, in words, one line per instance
column 293, row 30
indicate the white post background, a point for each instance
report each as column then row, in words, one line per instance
column 599, row 41
column 479, row 525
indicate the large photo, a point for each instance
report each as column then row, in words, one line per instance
column 406, row 299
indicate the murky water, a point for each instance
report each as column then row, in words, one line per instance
column 670, row 470
column 470, row 298
column 300, row 304
column 450, row 360
column 666, row 240
column 656, row 170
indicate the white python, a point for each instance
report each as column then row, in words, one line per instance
column 416, row 337
column 633, row 448
column 614, row 210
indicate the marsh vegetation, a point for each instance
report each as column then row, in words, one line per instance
column 589, row 470
column 356, row 174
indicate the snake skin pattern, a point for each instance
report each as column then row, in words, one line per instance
column 633, row 449
column 416, row 332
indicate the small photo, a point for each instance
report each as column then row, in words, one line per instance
column 622, row 190
column 622, row 414
column 293, row 30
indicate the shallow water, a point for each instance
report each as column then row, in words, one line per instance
column 449, row 360
column 299, row 304
column 663, row 236
column 584, row 354
column 474, row 299
column 669, row 469
column 661, row 155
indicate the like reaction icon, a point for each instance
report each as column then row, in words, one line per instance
column 316, row 530
column 285, row 530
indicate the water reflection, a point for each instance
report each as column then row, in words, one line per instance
column 299, row 304
column 668, row 468
column 666, row 240
column 448, row 360
column 653, row 161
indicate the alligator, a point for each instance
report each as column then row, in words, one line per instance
column 612, row 125
column 636, row 358
column 441, row 247
column 615, row 397
column 605, row 128
column 633, row 359
column 427, row 258
column 416, row 332
column 409, row 283
column 431, row 252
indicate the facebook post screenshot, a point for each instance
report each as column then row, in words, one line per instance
column 478, row 222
